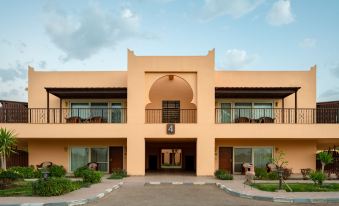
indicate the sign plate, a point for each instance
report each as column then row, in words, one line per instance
column 170, row 128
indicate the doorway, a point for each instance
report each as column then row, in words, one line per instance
column 116, row 155
column 226, row 158
column 174, row 156
column 152, row 162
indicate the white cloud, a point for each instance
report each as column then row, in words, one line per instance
column 280, row 13
column 237, row 58
column 235, row 9
column 308, row 43
column 81, row 35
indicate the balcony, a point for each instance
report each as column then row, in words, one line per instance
column 277, row 115
column 170, row 115
column 64, row 115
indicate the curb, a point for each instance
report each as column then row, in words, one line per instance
column 179, row 183
column 73, row 202
column 277, row 199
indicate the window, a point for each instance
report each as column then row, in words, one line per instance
column 99, row 110
column 262, row 110
column 80, row 110
column 226, row 112
column 262, row 156
column 116, row 115
column 241, row 155
column 80, row 156
column 243, row 110
column 171, row 111
column 259, row 156
column 99, row 155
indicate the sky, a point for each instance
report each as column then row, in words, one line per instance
column 83, row 35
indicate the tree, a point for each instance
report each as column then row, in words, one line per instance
column 325, row 158
column 7, row 142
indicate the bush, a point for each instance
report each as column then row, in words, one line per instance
column 7, row 174
column 79, row 172
column 25, row 172
column 118, row 174
column 317, row 177
column 260, row 173
column 223, row 175
column 272, row 176
column 57, row 171
column 90, row 176
column 53, row 186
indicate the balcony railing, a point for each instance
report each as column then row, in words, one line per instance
column 277, row 115
column 64, row 115
column 171, row 115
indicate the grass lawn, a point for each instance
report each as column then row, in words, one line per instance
column 298, row 187
column 20, row 188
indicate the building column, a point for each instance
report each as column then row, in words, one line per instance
column 205, row 156
column 136, row 156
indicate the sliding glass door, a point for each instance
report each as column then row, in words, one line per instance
column 259, row 156
column 241, row 156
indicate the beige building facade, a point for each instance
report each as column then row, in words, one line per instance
column 169, row 113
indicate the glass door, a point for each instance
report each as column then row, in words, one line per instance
column 226, row 113
column 116, row 114
column 99, row 110
column 241, row 156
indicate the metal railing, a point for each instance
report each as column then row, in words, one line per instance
column 277, row 115
column 64, row 115
column 171, row 115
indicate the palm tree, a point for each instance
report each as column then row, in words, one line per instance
column 7, row 142
column 325, row 158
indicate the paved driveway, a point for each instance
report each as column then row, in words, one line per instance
column 131, row 194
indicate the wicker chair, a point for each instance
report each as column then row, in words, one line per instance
column 44, row 165
column 266, row 120
column 96, row 120
column 73, row 120
column 242, row 120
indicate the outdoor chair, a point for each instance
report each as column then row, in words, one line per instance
column 266, row 120
column 96, row 119
column 242, row 120
column 92, row 166
column 44, row 165
column 73, row 120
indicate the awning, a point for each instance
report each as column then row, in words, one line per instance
column 88, row 92
column 255, row 92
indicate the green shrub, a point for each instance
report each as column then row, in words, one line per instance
column 57, row 171
column 91, row 176
column 79, row 172
column 54, row 186
column 272, row 176
column 223, row 175
column 317, row 177
column 25, row 172
column 260, row 173
column 118, row 174
column 12, row 175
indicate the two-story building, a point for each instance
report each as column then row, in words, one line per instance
column 173, row 113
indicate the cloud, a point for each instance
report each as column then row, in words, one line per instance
column 13, row 72
column 81, row 35
column 237, row 58
column 235, row 9
column 332, row 93
column 308, row 43
column 280, row 13
column 335, row 71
